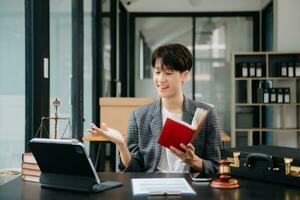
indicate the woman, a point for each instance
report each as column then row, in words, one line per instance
column 141, row 152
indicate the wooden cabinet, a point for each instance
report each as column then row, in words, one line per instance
column 266, row 96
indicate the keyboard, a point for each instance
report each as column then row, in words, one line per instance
column 107, row 185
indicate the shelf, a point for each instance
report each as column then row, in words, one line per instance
column 263, row 117
column 266, row 78
column 267, row 104
column 268, row 129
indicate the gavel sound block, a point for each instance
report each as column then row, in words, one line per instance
column 225, row 181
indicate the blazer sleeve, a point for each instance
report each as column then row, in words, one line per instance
column 212, row 154
column 132, row 141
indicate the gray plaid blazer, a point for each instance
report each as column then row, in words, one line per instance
column 144, row 128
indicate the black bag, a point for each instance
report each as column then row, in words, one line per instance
column 268, row 163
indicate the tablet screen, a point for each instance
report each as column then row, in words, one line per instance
column 67, row 157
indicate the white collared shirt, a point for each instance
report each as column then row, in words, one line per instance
column 169, row 162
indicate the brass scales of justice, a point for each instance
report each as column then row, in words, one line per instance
column 41, row 128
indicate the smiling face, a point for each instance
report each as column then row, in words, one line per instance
column 168, row 82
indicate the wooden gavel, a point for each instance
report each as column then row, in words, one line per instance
column 224, row 181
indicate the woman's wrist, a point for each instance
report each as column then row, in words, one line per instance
column 124, row 153
column 121, row 144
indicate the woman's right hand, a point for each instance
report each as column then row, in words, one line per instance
column 109, row 133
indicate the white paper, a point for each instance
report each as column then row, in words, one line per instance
column 161, row 186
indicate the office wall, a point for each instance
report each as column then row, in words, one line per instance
column 286, row 25
column 264, row 3
column 286, row 38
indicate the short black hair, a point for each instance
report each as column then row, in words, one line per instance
column 175, row 56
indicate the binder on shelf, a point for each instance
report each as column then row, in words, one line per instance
column 297, row 69
column 283, row 70
column 266, row 95
column 286, row 95
column 273, row 95
column 259, row 70
column 260, row 93
column 291, row 69
column 252, row 70
column 279, row 95
column 244, row 69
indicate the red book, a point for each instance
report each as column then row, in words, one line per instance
column 175, row 132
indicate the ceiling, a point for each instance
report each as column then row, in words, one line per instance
column 193, row 5
column 152, row 5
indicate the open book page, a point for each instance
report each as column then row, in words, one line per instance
column 198, row 121
column 199, row 117
column 181, row 122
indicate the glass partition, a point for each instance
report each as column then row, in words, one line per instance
column 12, row 83
column 61, row 62
column 150, row 33
column 216, row 39
column 87, row 67
column 106, row 78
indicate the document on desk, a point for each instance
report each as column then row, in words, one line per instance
column 161, row 186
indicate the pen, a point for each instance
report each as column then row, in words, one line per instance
column 165, row 193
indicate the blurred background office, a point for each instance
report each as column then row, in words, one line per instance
column 81, row 50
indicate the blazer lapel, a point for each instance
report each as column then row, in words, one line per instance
column 188, row 111
column 155, row 126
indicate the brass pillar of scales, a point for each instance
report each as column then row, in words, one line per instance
column 56, row 104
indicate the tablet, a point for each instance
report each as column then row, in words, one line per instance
column 65, row 164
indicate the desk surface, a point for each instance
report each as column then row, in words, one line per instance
column 250, row 189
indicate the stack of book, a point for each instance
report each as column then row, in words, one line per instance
column 30, row 168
